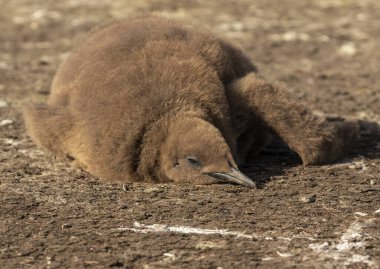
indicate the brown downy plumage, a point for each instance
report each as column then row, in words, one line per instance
column 157, row 100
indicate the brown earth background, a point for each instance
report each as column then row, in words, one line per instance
column 55, row 216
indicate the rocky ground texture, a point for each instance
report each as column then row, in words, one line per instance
column 55, row 216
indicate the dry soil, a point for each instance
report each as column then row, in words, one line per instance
column 55, row 216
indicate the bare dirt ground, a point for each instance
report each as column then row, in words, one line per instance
column 54, row 216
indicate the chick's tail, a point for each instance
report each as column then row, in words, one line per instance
column 48, row 126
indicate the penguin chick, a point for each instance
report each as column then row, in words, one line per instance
column 158, row 100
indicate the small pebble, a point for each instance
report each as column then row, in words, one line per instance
column 66, row 226
column 267, row 259
column 10, row 142
column 308, row 199
column 125, row 187
column 320, row 247
column 360, row 214
column 169, row 255
column 284, row 255
column 3, row 103
column 348, row 49
column 6, row 122
column 44, row 60
column 358, row 165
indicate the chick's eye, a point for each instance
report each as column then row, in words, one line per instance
column 193, row 162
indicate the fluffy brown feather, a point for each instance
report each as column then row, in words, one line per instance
column 154, row 99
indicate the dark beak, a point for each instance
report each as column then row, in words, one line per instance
column 235, row 176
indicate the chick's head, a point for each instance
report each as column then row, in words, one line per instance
column 196, row 152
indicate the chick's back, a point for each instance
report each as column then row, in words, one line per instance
column 125, row 76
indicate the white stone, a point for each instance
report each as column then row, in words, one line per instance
column 360, row 214
column 267, row 259
column 3, row 103
column 348, row 49
column 6, row 122
column 10, row 142
column 289, row 36
column 284, row 255
column 38, row 14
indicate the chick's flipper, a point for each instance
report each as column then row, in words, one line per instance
column 314, row 139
